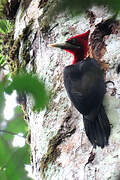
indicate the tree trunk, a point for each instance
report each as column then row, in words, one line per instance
column 60, row 149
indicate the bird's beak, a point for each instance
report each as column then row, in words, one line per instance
column 58, row 45
column 65, row 45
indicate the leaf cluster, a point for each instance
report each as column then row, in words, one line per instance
column 12, row 160
column 2, row 5
column 78, row 6
column 5, row 28
column 29, row 83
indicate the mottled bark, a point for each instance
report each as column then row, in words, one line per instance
column 60, row 149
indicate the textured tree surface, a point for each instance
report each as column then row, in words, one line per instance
column 60, row 149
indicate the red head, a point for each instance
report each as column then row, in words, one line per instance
column 77, row 45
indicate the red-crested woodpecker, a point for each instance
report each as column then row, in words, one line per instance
column 85, row 86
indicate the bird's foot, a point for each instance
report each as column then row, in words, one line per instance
column 107, row 82
column 113, row 93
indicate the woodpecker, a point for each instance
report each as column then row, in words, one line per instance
column 85, row 86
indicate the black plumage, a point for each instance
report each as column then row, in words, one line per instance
column 84, row 83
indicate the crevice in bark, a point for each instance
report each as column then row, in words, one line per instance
column 97, row 40
column 10, row 9
column 66, row 130
column 46, row 18
column 42, row 3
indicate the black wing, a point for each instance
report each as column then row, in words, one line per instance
column 84, row 83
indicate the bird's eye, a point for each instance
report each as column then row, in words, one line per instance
column 72, row 41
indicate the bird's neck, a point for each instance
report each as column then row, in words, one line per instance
column 77, row 58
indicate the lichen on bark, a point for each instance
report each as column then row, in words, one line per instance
column 13, row 58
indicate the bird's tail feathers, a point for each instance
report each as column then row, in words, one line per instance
column 98, row 129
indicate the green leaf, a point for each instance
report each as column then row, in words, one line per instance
column 16, row 125
column 2, row 60
column 5, row 153
column 3, row 175
column 1, row 7
column 30, row 84
column 2, row 101
column 20, row 157
column 3, row 2
column 12, row 161
column 3, row 26
column 79, row 6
